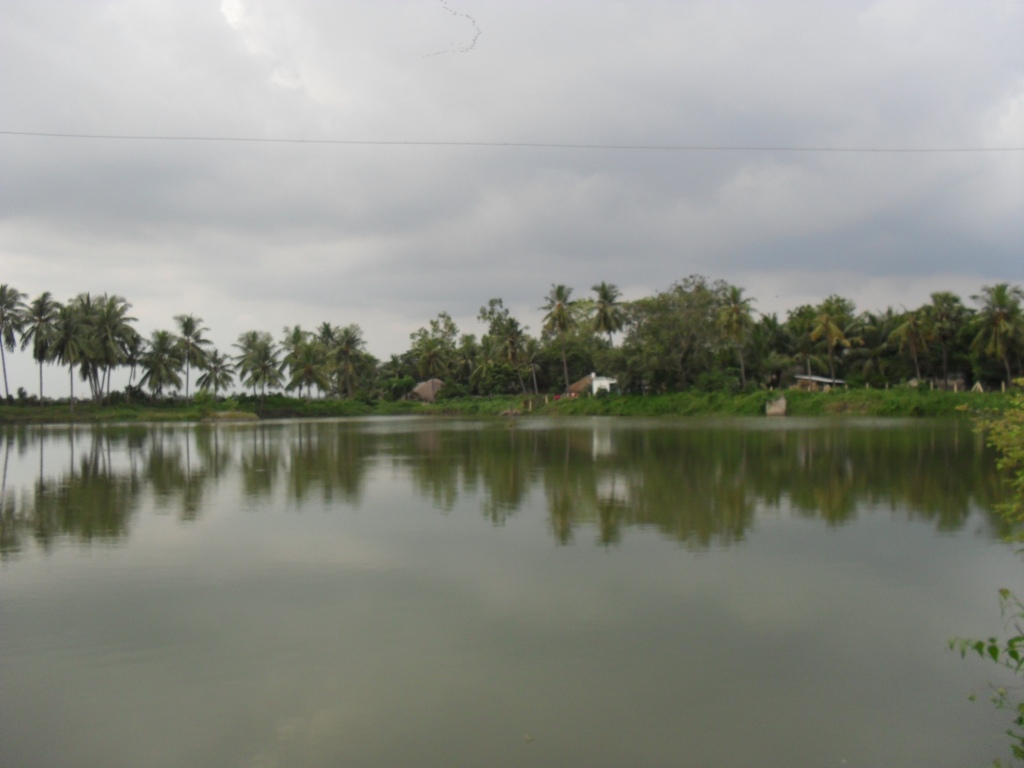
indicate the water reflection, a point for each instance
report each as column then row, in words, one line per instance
column 700, row 484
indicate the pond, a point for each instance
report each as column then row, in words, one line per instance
column 420, row 592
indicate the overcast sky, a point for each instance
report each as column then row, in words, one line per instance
column 259, row 235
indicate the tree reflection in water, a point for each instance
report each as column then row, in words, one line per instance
column 700, row 484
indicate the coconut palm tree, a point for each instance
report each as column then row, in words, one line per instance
column 1000, row 323
column 485, row 364
column 875, row 355
column 89, row 362
column 328, row 334
column 914, row 333
column 70, row 341
column 464, row 360
column 192, row 343
column 511, row 345
column 560, row 319
column 307, row 363
column 258, row 363
column 946, row 315
column 112, row 334
column 735, row 319
column 531, row 357
column 218, row 374
column 348, row 358
column 799, row 325
column 832, row 322
column 12, row 314
column 431, row 358
column 162, row 362
column 246, row 346
column 268, row 369
column 38, row 331
column 133, row 349
column 609, row 316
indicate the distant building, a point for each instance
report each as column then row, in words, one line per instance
column 593, row 383
column 426, row 390
column 815, row 383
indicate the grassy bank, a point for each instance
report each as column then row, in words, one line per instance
column 895, row 402
column 859, row 402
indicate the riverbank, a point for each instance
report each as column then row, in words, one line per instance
column 901, row 402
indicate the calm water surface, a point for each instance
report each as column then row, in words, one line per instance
column 407, row 592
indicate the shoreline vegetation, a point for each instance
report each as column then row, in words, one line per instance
column 899, row 402
column 697, row 348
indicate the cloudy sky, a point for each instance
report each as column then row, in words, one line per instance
column 373, row 230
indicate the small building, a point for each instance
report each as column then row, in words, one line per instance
column 814, row 383
column 426, row 390
column 593, row 383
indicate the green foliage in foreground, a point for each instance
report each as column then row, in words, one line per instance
column 1006, row 434
column 867, row 402
column 1007, row 653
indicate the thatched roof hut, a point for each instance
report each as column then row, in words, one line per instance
column 581, row 386
column 593, row 384
column 426, row 390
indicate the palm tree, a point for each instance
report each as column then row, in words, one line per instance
column 219, row 373
column 12, row 309
column 192, row 343
column 292, row 339
column 348, row 358
column 831, row 323
column 258, row 362
column 89, row 361
column 328, row 334
column 431, row 358
column 560, row 319
column 267, row 370
column 531, row 355
column 247, row 345
column 800, row 322
column 1001, row 324
column 946, row 315
column 875, row 355
column 38, row 331
column 511, row 344
column 133, row 350
column 162, row 362
column 112, row 334
column 485, row 364
column 609, row 316
column 465, row 358
column 70, row 341
column 735, row 319
column 913, row 333
column 308, row 365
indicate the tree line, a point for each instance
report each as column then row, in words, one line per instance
column 697, row 334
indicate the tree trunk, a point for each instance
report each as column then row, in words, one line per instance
column 519, row 373
column 3, row 358
column 565, row 368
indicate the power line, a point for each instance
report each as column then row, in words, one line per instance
column 520, row 144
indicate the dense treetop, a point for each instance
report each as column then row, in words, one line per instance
column 696, row 334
